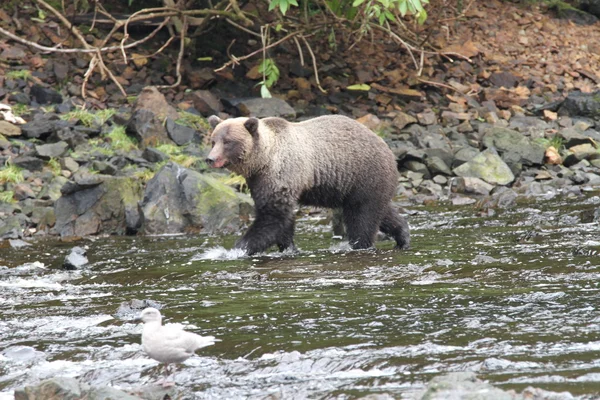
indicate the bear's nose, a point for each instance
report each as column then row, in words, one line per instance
column 210, row 161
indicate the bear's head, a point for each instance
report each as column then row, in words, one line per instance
column 232, row 141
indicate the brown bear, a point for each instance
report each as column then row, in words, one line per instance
column 330, row 161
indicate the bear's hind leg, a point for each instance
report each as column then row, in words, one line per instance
column 362, row 223
column 396, row 226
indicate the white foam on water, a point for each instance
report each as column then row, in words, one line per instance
column 220, row 253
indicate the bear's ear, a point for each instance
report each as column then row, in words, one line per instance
column 251, row 126
column 213, row 121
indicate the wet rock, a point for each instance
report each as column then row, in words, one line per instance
column 262, row 108
column 18, row 243
column 70, row 389
column 29, row 163
column 180, row 134
column 76, row 259
column 41, row 127
column 514, row 147
column 503, row 79
column 581, row 104
column 180, row 200
column 199, row 78
column 462, row 385
column 153, row 155
column 206, row 103
column 147, row 128
column 150, row 99
column 52, row 191
column 436, row 165
column 131, row 309
column 69, row 164
column 579, row 153
column 8, row 129
column 52, row 150
column 470, row 185
column 488, row 166
column 427, row 118
column 43, row 95
column 103, row 205
column 463, row 155
column 462, row 201
column 403, row 119
column 10, row 227
column 23, row 191
column 22, row 354
column 43, row 218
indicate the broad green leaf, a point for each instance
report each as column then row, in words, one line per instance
column 359, row 86
column 357, row 3
column 273, row 4
column 264, row 92
column 403, row 8
column 293, row 2
column 283, row 6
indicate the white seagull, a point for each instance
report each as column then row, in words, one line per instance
column 169, row 343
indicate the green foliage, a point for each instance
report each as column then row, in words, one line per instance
column 54, row 166
column 7, row 196
column 283, row 5
column 11, row 174
column 193, row 121
column 23, row 74
column 177, row 156
column 119, row 140
column 88, row 118
column 238, row 181
column 20, row 109
column 270, row 74
column 555, row 141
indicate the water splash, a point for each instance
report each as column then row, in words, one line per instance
column 220, row 253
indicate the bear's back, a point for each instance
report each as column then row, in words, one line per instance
column 333, row 157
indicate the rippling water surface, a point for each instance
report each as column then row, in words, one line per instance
column 514, row 297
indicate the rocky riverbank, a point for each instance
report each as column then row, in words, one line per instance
column 140, row 169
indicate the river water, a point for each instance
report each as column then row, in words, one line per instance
column 512, row 296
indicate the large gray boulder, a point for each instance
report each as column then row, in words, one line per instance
column 98, row 204
column 488, row 166
column 514, row 147
column 180, row 200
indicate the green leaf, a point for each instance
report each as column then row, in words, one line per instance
column 403, row 8
column 204, row 58
column 357, row 3
column 381, row 18
column 359, row 86
column 421, row 17
column 273, row 4
column 293, row 2
column 264, row 92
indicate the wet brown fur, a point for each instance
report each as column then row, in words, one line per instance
column 330, row 161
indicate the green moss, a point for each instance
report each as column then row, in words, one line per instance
column 24, row 74
column 88, row 118
column 20, row 109
column 11, row 174
column 7, row 197
column 176, row 155
column 119, row 140
column 54, row 166
column 193, row 121
column 237, row 181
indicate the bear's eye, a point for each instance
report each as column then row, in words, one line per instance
column 213, row 143
column 226, row 142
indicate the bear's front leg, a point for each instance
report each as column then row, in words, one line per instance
column 274, row 225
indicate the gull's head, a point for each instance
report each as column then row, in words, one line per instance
column 150, row 315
